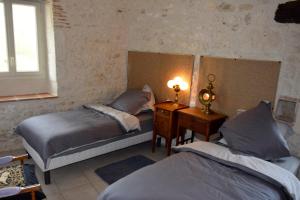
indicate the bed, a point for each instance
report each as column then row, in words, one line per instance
column 200, row 171
column 57, row 139
column 253, row 163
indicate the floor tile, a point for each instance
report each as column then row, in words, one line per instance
column 70, row 180
column 55, row 197
column 50, row 189
column 95, row 180
column 84, row 192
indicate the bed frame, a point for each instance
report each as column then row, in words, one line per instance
column 64, row 160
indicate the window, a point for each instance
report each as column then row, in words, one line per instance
column 22, row 35
column 25, row 38
column 23, row 47
column 3, row 41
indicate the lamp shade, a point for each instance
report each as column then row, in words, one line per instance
column 177, row 84
column 178, row 81
column 171, row 83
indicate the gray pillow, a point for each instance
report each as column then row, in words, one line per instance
column 255, row 132
column 131, row 101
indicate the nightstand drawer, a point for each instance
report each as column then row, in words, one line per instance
column 162, row 126
column 163, row 113
column 192, row 122
column 198, row 122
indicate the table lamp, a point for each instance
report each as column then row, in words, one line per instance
column 177, row 84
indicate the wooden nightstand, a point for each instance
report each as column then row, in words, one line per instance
column 197, row 121
column 165, row 122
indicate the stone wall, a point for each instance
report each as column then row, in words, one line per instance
column 229, row 28
column 91, row 50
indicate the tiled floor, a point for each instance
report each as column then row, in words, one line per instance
column 79, row 181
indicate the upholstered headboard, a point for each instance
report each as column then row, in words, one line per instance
column 240, row 83
column 155, row 69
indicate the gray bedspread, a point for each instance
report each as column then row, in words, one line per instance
column 54, row 133
column 187, row 176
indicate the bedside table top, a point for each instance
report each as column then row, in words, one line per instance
column 197, row 112
column 170, row 106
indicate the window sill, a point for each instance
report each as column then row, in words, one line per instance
column 26, row 97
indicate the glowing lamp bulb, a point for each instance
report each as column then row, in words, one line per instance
column 178, row 80
column 171, row 83
column 183, row 85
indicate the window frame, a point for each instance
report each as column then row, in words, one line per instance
column 41, row 40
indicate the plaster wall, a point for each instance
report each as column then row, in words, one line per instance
column 229, row 28
column 91, row 49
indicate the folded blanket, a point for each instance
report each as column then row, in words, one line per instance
column 128, row 121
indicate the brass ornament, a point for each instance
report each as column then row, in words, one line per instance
column 207, row 96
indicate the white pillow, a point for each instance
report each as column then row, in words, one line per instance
column 150, row 104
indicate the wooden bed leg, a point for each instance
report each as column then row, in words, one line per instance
column 47, row 177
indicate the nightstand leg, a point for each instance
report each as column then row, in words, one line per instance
column 153, row 141
column 207, row 133
column 177, row 135
column 193, row 136
column 168, row 146
column 182, row 137
column 207, row 138
column 158, row 142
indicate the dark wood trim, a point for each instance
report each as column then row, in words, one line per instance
column 31, row 189
column 20, row 158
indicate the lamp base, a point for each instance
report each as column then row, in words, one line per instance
column 176, row 98
column 207, row 110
